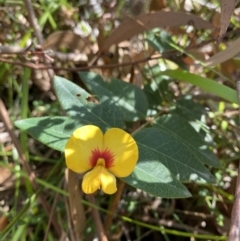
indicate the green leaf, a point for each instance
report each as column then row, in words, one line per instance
column 204, row 83
column 160, row 40
column 195, row 114
column 188, row 109
column 128, row 97
column 75, row 101
column 52, row 131
column 186, row 134
column 153, row 177
column 161, row 145
column 157, row 92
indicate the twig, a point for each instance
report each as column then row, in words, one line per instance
column 33, row 21
column 44, row 66
column 8, row 125
column 113, row 207
column 13, row 50
column 51, row 216
column 68, row 212
column 172, row 224
column 101, row 234
column 63, row 57
column 37, row 31
column 234, row 233
column 79, row 57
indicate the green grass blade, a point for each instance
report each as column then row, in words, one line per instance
column 206, row 84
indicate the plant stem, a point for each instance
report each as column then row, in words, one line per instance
column 234, row 233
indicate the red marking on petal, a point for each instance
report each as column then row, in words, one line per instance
column 107, row 155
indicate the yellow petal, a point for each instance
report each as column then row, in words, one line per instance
column 80, row 145
column 99, row 177
column 124, row 149
column 108, row 182
column 91, row 180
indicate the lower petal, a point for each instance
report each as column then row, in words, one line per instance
column 98, row 178
column 108, row 182
column 91, row 180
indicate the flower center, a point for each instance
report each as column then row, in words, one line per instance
column 104, row 158
column 100, row 162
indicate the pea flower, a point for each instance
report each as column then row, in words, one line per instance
column 101, row 156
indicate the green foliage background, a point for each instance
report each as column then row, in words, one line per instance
column 184, row 122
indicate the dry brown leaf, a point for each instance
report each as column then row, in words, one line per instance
column 3, row 222
column 227, row 8
column 196, row 54
column 215, row 20
column 132, row 27
column 66, row 39
column 224, row 55
column 101, row 39
column 5, row 174
column 6, row 178
column 228, row 68
column 56, row 41
column 126, row 59
column 157, row 5
column 41, row 79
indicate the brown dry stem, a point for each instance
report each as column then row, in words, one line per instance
column 113, row 207
column 96, row 216
column 234, row 233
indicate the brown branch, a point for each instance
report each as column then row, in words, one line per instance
column 37, row 31
column 172, row 224
column 113, row 207
column 33, row 21
column 44, row 66
column 68, row 210
column 101, row 234
column 32, row 177
column 50, row 217
column 58, row 55
column 9, row 50
column 234, row 233
column 63, row 57
column 80, row 57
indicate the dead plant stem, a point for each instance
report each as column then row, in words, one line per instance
column 113, row 207
column 234, row 233
column 101, row 234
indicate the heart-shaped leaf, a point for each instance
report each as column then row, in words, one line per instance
column 153, row 177
column 186, row 134
column 82, row 106
column 52, row 131
column 179, row 159
column 128, row 97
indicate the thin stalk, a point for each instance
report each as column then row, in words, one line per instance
column 24, row 109
column 234, row 233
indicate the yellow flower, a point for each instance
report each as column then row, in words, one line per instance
column 104, row 156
